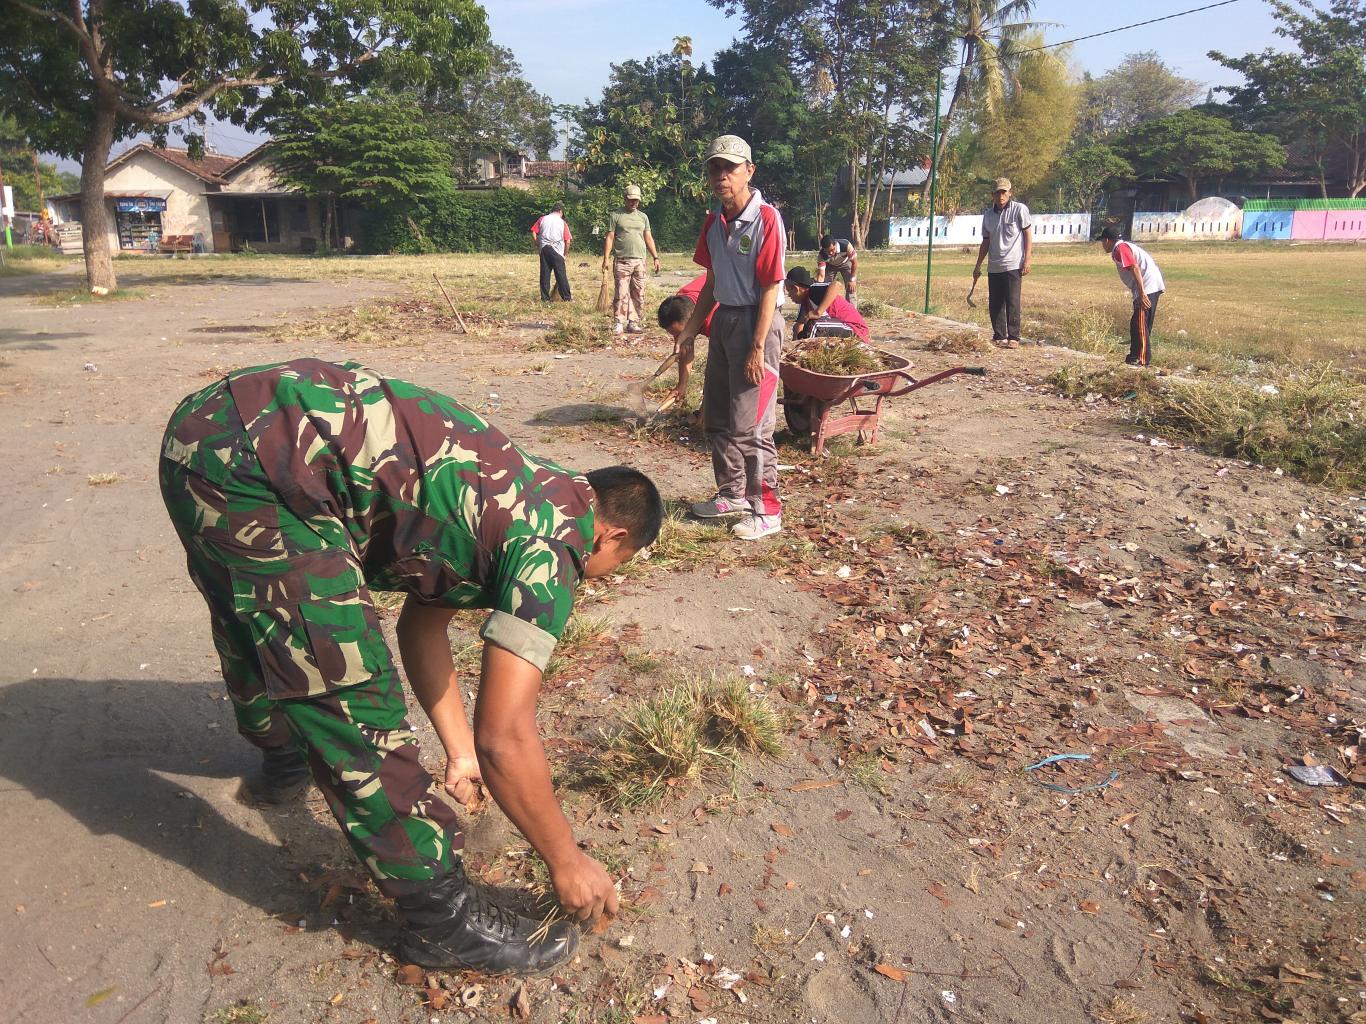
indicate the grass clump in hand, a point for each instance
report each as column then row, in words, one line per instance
column 835, row 357
column 681, row 736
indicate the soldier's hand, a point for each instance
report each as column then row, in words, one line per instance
column 584, row 889
column 464, row 781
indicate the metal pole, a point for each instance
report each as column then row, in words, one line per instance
column 934, row 182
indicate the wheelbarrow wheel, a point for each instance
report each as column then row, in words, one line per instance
column 798, row 413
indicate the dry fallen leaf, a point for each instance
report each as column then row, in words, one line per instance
column 436, row 998
column 888, row 971
column 410, row 974
column 699, row 868
column 698, row 998
column 337, row 999
column 724, row 889
column 806, row 785
column 157, row 903
column 781, row 829
column 1089, row 907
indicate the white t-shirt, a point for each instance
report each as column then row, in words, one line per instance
column 551, row 230
column 1005, row 229
column 1134, row 265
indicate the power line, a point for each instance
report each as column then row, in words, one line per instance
column 1095, row 35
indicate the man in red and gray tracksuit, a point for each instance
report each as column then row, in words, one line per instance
column 742, row 247
column 1140, row 275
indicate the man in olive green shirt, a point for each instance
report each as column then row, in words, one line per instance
column 628, row 239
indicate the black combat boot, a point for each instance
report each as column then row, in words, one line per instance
column 283, row 776
column 456, row 925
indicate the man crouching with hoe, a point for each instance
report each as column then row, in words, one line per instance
column 299, row 488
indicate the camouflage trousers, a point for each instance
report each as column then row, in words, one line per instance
column 300, row 645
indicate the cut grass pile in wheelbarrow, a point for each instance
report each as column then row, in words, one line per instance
column 835, row 357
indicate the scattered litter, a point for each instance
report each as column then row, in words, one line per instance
column 90, row 367
column 1315, row 775
column 1070, row 790
column 844, row 572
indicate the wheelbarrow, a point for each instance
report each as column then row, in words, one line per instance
column 810, row 399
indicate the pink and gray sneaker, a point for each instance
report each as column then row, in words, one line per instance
column 715, row 508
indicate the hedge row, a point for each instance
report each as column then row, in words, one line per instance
column 498, row 220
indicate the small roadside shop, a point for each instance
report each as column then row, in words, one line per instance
column 137, row 218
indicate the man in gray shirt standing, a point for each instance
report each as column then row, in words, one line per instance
column 1008, row 241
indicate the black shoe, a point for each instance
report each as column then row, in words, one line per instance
column 283, row 777
column 1131, row 361
column 456, row 925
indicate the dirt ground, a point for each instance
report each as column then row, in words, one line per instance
column 1005, row 576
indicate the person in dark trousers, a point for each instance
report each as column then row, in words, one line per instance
column 554, row 240
column 1140, row 275
column 1007, row 245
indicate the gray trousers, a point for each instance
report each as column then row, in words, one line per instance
column 739, row 417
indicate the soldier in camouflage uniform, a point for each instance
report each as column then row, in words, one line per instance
column 299, row 488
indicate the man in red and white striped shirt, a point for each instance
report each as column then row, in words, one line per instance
column 1140, row 275
column 742, row 247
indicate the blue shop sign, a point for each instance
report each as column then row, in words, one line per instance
column 140, row 205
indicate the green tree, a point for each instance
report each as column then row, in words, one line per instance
column 1083, row 172
column 80, row 74
column 372, row 150
column 490, row 112
column 988, row 34
column 868, row 69
column 17, row 160
column 1030, row 126
column 1141, row 88
column 1193, row 146
column 650, row 128
column 1314, row 99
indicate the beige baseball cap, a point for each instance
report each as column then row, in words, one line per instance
column 1003, row 183
column 632, row 191
column 730, row 148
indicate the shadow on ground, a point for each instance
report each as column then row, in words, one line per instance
column 157, row 763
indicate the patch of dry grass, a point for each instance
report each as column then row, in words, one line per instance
column 1309, row 420
column 674, row 739
column 1121, row 1011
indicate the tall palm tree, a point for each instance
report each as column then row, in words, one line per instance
column 988, row 33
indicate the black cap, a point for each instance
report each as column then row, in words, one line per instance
column 799, row 276
column 1112, row 233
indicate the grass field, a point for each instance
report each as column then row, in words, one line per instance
column 1235, row 301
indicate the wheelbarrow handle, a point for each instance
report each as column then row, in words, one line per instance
column 912, row 384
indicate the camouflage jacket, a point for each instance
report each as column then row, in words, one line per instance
column 428, row 497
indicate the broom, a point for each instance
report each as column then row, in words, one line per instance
column 605, row 293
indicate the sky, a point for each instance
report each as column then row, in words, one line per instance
column 566, row 47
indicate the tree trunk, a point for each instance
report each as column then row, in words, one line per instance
column 99, row 262
column 327, row 223
column 960, row 87
column 855, row 194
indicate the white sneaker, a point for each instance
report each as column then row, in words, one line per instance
column 755, row 526
column 618, row 328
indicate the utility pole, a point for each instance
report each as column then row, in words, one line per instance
column 934, row 181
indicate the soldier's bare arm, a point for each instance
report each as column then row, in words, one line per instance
column 425, row 647
column 516, row 771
